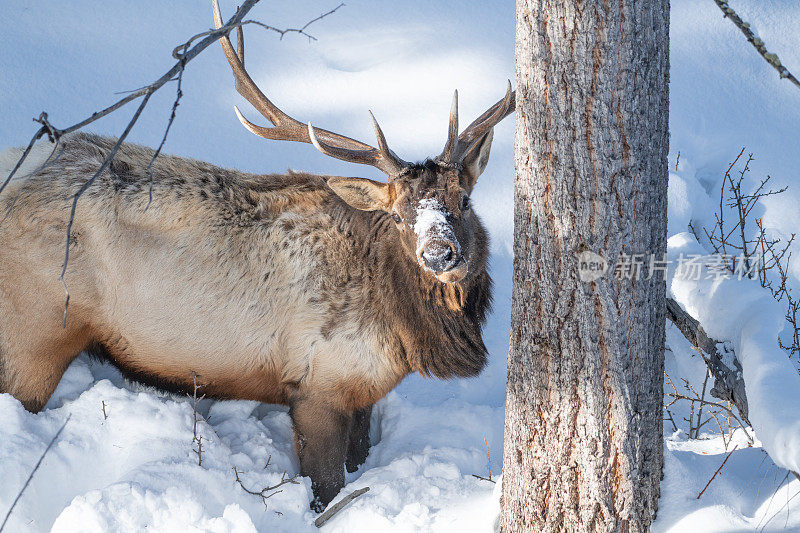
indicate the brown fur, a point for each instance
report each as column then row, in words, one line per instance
column 270, row 287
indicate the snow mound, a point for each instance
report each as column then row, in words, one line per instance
column 135, row 468
column 742, row 312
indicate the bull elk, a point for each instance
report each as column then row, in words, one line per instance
column 317, row 292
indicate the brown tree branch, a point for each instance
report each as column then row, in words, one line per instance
column 338, row 506
column 717, row 471
column 757, row 43
column 728, row 382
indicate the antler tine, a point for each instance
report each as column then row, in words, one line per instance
column 484, row 123
column 386, row 152
column 244, row 84
column 391, row 165
column 287, row 128
column 452, row 131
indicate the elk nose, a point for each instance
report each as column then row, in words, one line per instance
column 440, row 256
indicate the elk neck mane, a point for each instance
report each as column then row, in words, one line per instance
column 436, row 326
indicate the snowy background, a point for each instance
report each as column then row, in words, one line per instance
column 136, row 468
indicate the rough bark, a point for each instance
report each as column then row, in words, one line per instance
column 583, row 443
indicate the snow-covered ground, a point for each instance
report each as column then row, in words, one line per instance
column 136, row 468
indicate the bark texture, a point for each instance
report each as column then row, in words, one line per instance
column 583, row 443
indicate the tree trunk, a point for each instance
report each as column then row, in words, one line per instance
column 583, row 442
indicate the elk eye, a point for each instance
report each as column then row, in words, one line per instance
column 396, row 218
column 465, row 203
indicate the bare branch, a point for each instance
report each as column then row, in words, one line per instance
column 671, row 419
column 678, row 396
column 19, row 191
column 85, row 186
column 175, row 104
column 195, row 401
column 757, row 43
column 183, row 54
column 177, row 51
column 266, row 492
column 24, row 156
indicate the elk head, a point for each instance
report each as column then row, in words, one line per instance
column 429, row 202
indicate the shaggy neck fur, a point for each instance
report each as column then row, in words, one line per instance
column 437, row 325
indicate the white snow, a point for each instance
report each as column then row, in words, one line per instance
column 742, row 312
column 136, row 469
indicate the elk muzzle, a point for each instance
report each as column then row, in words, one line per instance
column 438, row 249
column 442, row 256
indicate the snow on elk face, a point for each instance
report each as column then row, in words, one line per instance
column 433, row 213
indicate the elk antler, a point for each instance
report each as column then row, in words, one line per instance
column 287, row 128
column 458, row 146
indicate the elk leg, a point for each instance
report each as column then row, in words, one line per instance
column 358, row 444
column 320, row 439
column 31, row 365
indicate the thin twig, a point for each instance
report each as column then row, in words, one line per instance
column 700, row 409
column 176, row 52
column 199, row 450
column 713, row 404
column 338, row 506
column 488, row 459
column 769, row 503
column 211, row 37
column 488, row 464
column 195, row 401
column 718, row 470
column 77, row 195
column 175, row 104
column 266, row 492
column 674, row 426
column 35, row 468
column 757, row 43
column 779, row 510
column 41, row 167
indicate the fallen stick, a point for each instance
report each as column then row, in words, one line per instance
column 728, row 382
column 332, row 510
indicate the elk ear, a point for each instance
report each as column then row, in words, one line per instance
column 475, row 160
column 363, row 193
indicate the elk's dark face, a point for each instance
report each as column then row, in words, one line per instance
column 430, row 206
column 432, row 211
